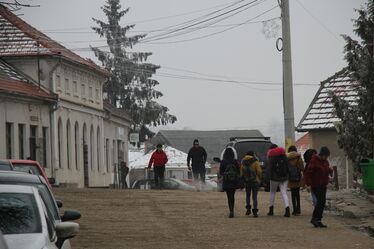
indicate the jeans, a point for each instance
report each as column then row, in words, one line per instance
column 320, row 194
column 159, row 172
column 314, row 199
column 251, row 189
column 295, row 196
column 123, row 182
column 199, row 174
column 283, row 189
column 231, row 199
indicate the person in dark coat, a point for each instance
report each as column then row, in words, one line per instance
column 296, row 165
column 229, row 186
column 197, row 154
column 317, row 179
column 158, row 160
column 124, row 172
column 307, row 158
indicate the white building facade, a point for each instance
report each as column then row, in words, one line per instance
column 87, row 137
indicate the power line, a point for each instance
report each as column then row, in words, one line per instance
column 212, row 34
column 167, row 34
column 319, row 21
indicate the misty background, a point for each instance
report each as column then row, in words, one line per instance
column 245, row 53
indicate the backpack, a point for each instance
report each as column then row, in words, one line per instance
column 280, row 166
column 294, row 173
column 231, row 173
column 249, row 171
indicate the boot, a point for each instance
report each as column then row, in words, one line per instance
column 298, row 211
column 315, row 223
column 248, row 210
column 255, row 211
column 294, row 212
column 287, row 213
column 320, row 224
column 231, row 208
column 271, row 211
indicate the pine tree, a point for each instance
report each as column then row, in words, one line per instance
column 356, row 127
column 130, row 85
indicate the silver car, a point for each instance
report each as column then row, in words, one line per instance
column 26, row 223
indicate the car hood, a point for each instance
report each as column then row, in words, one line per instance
column 26, row 241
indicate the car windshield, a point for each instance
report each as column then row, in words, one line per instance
column 260, row 148
column 27, row 168
column 19, row 214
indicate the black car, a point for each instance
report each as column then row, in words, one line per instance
column 6, row 165
column 260, row 145
column 169, row 183
column 19, row 178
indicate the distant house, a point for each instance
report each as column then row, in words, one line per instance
column 68, row 126
column 319, row 120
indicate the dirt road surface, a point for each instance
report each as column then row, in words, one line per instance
column 131, row 219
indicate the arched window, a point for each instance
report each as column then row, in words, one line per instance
column 76, row 144
column 59, row 142
column 92, row 147
column 98, row 144
column 68, row 143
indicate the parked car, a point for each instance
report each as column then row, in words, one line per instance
column 29, row 166
column 169, row 183
column 27, row 224
column 208, row 186
column 260, row 145
column 6, row 165
column 20, row 178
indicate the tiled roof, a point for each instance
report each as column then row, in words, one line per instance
column 18, row 38
column 7, row 72
column 13, row 82
column 14, row 86
column 321, row 114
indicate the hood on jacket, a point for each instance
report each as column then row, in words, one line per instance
column 316, row 159
column 293, row 154
column 276, row 152
column 247, row 157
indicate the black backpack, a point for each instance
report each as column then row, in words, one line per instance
column 249, row 172
column 231, row 173
column 294, row 173
column 280, row 166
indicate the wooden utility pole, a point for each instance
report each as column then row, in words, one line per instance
column 289, row 119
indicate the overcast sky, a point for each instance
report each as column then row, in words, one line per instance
column 243, row 54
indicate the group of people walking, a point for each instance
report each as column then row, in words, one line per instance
column 284, row 170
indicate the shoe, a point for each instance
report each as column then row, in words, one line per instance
column 271, row 211
column 287, row 212
column 255, row 211
column 231, row 215
column 315, row 223
column 294, row 213
column 248, row 212
column 320, row 224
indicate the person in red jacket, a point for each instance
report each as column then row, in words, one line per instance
column 317, row 179
column 158, row 160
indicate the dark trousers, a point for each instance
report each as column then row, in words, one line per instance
column 295, row 196
column 320, row 194
column 231, row 199
column 199, row 174
column 251, row 189
column 159, row 172
column 123, row 182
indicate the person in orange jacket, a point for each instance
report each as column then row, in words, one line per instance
column 158, row 160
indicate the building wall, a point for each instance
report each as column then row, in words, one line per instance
column 79, row 121
column 329, row 138
column 22, row 113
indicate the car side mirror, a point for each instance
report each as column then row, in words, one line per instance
column 70, row 215
column 64, row 231
column 217, row 159
column 59, row 203
column 52, row 180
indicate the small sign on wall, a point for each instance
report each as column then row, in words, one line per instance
column 134, row 137
column 34, row 118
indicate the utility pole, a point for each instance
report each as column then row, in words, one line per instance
column 289, row 119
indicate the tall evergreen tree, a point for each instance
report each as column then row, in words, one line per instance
column 356, row 127
column 130, row 85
